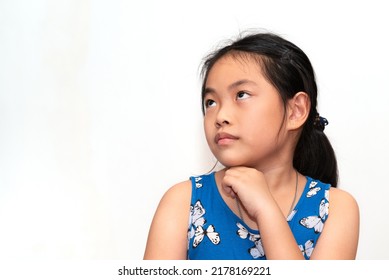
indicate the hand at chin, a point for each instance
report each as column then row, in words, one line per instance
column 248, row 184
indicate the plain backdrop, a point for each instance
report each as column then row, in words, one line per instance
column 100, row 112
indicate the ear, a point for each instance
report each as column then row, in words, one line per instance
column 298, row 110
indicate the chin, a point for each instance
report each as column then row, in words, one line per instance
column 233, row 158
column 233, row 163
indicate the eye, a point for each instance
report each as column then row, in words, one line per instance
column 242, row 95
column 209, row 103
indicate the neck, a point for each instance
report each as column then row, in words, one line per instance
column 279, row 177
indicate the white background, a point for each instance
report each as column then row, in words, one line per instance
column 100, row 112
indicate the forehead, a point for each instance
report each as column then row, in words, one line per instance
column 237, row 65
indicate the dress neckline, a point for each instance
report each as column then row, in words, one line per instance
column 219, row 197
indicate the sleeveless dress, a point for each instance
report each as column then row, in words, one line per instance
column 216, row 233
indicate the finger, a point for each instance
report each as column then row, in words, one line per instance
column 229, row 191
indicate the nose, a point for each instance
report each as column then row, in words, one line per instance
column 223, row 123
column 222, row 118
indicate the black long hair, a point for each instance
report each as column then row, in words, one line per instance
column 289, row 70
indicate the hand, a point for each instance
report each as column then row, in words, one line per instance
column 249, row 185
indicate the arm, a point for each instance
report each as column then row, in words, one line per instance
column 167, row 238
column 339, row 239
column 277, row 238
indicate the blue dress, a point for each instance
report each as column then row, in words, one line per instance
column 216, row 233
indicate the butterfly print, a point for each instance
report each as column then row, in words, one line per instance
column 291, row 215
column 209, row 232
column 196, row 226
column 195, row 218
column 317, row 222
column 198, row 182
column 313, row 190
column 307, row 249
column 257, row 250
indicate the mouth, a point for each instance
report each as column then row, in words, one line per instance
column 224, row 138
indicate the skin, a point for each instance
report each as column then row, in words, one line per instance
column 249, row 132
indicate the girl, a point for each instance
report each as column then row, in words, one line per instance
column 276, row 198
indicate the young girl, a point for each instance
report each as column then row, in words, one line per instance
column 276, row 198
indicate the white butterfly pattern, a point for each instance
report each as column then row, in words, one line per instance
column 198, row 183
column 209, row 232
column 307, row 249
column 257, row 250
column 196, row 224
column 291, row 215
column 313, row 190
column 195, row 218
column 317, row 222
column 327, row 195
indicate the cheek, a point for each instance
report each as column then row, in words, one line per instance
column 264, row 124
column 208, row 131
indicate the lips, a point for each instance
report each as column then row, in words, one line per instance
column 225, row 138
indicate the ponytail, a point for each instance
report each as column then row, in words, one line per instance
column 314, row 155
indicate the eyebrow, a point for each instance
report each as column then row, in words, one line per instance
column 231, row 86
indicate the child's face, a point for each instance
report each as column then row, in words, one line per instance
column 243, row 115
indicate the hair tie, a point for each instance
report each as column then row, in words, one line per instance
column 320, row 123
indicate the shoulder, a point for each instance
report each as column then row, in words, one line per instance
column 178, row 193
column 175, row 200
column 341, row 200
column 182, row 191
column 168, row 231
column 343, row 207
column 339, row 239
